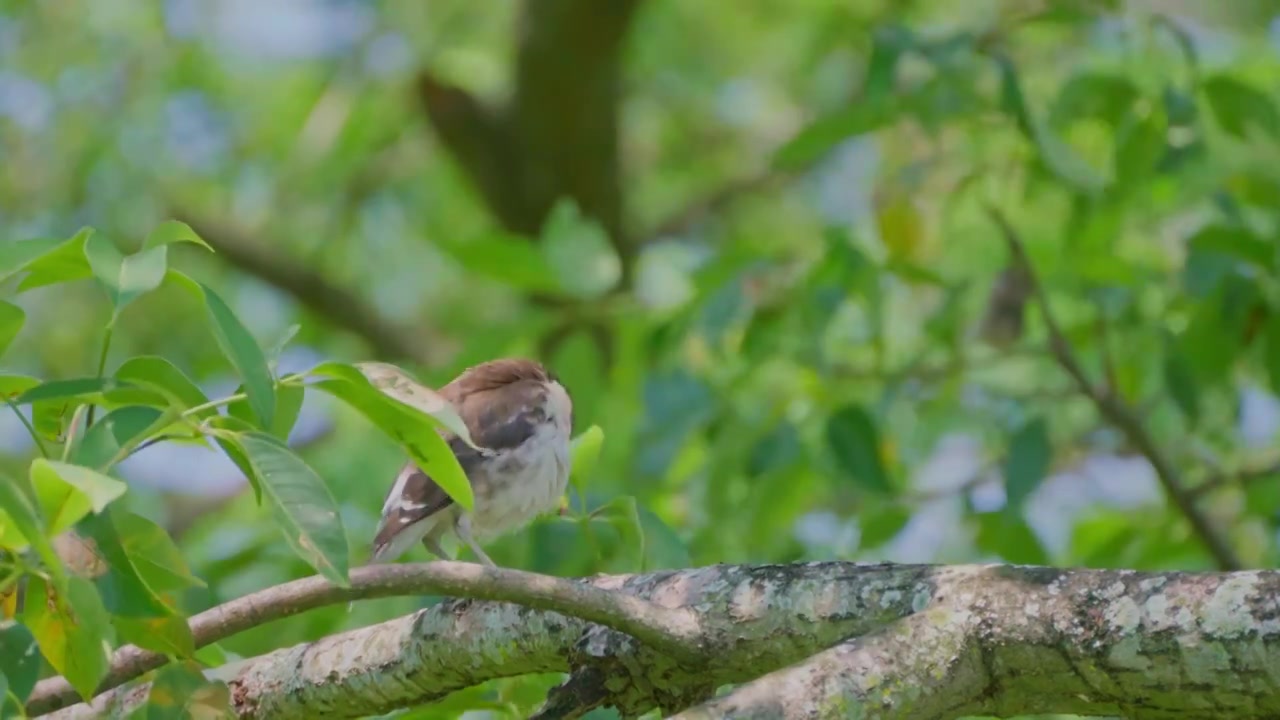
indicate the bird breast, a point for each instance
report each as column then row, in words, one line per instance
column 527, row 480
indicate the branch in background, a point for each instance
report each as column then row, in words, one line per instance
column 1116, row 411
column 335, row 304
column 673, row 631
column 1242, row 477
column 842, row 639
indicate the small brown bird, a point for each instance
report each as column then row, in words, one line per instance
column 522, row 416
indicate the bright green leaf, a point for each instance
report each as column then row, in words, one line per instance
column 852, row 437
column 19, row 658
column 1029, row 454
column 46, row 262
column 154, row 555
column 1008, row 536
column 1237, row 106
column 173, row 231
column 67, row 493
column 1237, row 243
column 159, row 383
column 414, row 429
column 21, row 525
column 583, row 453
column 288, row 404
column 125, row 278
column 11, row 386
column 881, row 526
column 302, row 504
column 72, row 633
column 579, row 252
column 12, row 318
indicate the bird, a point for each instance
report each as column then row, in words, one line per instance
column 520, row 416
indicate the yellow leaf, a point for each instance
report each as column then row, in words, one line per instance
column 901, row 227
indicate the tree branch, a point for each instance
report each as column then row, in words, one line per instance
column 976, row 640
column 328, row 301
column 1116, row 411
column 673, row 631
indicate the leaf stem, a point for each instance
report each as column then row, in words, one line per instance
column 102, row 361
column 44, row 452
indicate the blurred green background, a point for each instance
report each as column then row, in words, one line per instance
column 749, row 236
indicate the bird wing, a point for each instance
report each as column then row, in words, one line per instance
column 498, row 422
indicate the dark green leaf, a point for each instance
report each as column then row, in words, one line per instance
column 1180, row 381
column 1104, row 96
column 882, row 525
column 21, row 525
column 1028, row 461
column 165, row 634
column 825, row 133
column 239, row 347
column 1237, row 106
column 1271, row 350
column 173, row 231
column 288, row 405
column 125, row 427
column 852, row 437
column 1057, row 156
column 73, row 632
column 302, row 504
column 1237, row 243
column 19, row 659
column 1214, row 335
column 160, row 383
column 414, row 429
column 66, row 493
column 664, row 550
column 12, row 318
column 1140, row 142
column 125, row 278
column 181, row 691
column 87, row 388
column 153, row 553
column 777, row 450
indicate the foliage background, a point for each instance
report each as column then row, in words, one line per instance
column 798, row 332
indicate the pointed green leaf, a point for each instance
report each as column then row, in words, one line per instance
column 123, row 591
column 1028, row 461
column 21, row 525
column 173, row 231
column 276, row 349
column 66, row 493
column 1008, row 536
column 86, row 388
column 245, row 356
column 12, row 318
column 852, row 437
column 19, row 658
column 1271, row 350
column 288, row 404
column 414, row 429
column 302, row 504
column 153, row 553
column 11, row 386
column 1238, row 106
column 72, row 631
column 125, row 278
column 46, row 262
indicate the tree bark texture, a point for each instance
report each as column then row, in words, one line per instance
column 819, row 640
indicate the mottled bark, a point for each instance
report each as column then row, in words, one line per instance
column 824, row 640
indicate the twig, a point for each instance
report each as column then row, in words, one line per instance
column 1241, row 477
column 1116, row 411
column 331, row 302
column 676, row 632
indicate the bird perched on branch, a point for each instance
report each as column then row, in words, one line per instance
column 522, row 416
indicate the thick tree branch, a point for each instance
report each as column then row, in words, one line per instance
column 328, row 301
column 976, row 640
column 673, row 631
column 1116, row 411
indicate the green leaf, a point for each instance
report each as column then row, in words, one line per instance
column 579, row 252
column 157, row 559
column 21, row 525
column 1057, row 156
column 1237, row 106
column 173, row 231
column 288, row 405
column 1236, row 243
column 87, row 388
column 852, row 437
column 124, row 593
column 125, row 278
column 19, row 658
column 276, row 349
column 414, row 429
column 180, row 691
column 11, row 386
column 12, row 319
column 396, row 383
column 1180, row 381
column 1029, row 454
column 165, row 634
column 71, row 631
column 622, row 514
column 125, row 427
column 66, row 493
column 510, row 259
column 1271, row 350
column 148, row 371
column 882, row 525
column 584, row 451
column 46, row 262
column 302, row 504
column 239, row 347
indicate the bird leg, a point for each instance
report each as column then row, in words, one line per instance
column 463, row 529
column 431, row 541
